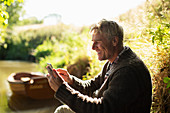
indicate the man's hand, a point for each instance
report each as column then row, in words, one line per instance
column 65, row 75
column 55, row 81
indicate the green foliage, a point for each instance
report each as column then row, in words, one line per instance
column 161, row 35
column 26, row 42
column 159, row 32
column 60, row 45
column 159, row 27
column 62, row 51
column 3, row 22
column 147, row 33
column 4, row 16
column 14, row 11
column 44, row 50
column 167, row 81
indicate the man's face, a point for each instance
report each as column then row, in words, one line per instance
column 102, row 46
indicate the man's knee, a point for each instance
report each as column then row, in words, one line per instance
column 63, row 109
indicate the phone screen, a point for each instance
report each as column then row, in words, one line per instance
column 50, row 69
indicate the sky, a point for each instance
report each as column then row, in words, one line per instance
column 79, row 12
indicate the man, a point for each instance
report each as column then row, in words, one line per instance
column 124, row 85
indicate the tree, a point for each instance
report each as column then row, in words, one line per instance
column 14, row 11
column 4, row 16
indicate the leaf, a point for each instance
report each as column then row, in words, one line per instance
column 168, row 85
column 153, row 39
column 166, row 80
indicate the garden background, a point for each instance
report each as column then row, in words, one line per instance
column 147, row 32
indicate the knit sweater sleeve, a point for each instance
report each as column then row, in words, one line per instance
column 121, row 93
column 87, row 87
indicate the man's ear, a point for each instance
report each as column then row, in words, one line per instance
column 115, row 41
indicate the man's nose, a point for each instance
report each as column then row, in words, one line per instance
column 93, row 46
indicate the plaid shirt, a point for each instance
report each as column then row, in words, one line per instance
column 115, row 61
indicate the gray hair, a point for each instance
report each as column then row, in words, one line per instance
column 110, row 29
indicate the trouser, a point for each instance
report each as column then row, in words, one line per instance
column 63, row 109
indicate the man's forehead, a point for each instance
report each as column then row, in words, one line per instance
column 97, row 37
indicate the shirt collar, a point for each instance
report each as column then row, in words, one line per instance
column 117, row 58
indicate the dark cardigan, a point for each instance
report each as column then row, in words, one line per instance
column 128, row 89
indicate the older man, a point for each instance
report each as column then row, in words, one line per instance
column 123, row 86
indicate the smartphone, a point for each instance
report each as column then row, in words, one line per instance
column 50, row 69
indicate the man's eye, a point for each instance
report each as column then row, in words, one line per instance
column 96, row 42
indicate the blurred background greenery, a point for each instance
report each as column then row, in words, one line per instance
column 147, row 32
